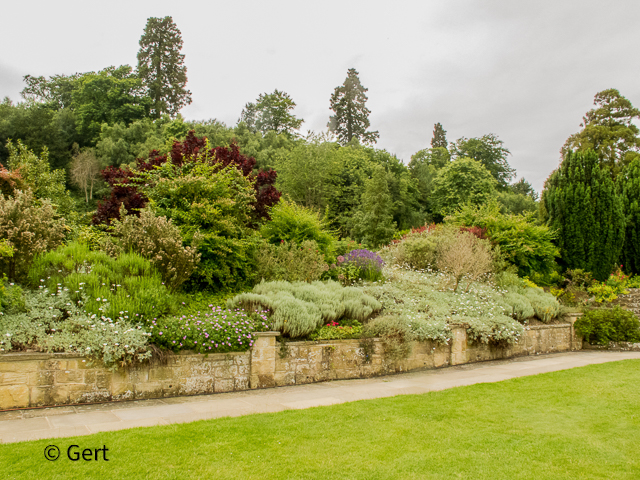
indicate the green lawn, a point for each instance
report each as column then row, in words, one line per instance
column 580, row 423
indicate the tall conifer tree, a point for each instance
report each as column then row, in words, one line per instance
column 161, row 66
column 580, row 202
column 351, row 118
column 439, row 136
column 374, row 223
column 629, row 187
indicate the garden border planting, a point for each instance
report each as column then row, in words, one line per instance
column 41, row 379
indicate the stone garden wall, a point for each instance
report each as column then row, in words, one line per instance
column 35, row 379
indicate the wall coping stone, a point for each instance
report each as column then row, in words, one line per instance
column 543, row 327
column 266, row 334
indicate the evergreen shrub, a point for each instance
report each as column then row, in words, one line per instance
column 29, row 228
column 608, row 325
column 296, row 224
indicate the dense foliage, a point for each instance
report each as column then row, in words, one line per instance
column 580, row 202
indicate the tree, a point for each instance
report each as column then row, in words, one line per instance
column 374, row 224
column 38, row 176
column 85, row 171
column 522, row 187
column 490, row 152
column 579, row 201
column 125, row 181
column 629, row 188
column 608, row 130
column 161, row 66
column 113, row 95
column 439, row 137
column 463, row 181
column 55, row 91
column 351, row 118
column 271, row 112
column 38, row 125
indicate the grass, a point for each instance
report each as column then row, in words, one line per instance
column 579, row 423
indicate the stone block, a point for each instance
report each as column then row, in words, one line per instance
column 195, row 385
column 103, row 379
column 148, row 390
column 160, row 373
column 59, row 394
column 120, row 389
column 14, row 396
column 90, row 377
column 39, row 396
column 284, row 378
column 262, row 381
column 18, row 367
column 223, row 385
column 13, row 378
column 69, row 376
column 241, row 382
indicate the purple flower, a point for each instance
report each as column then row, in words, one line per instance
column 365, row 259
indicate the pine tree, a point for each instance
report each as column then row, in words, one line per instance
column 351, row 118
column 374, row 223
column 580, row 202
column 439, row 136
column 161, row 66
column 629, row 187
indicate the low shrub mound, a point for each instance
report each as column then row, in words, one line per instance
column 608, row 325
column 216, row 331
column 290, row 261
column 52, row 321
column 299, row 308
column 127, row 286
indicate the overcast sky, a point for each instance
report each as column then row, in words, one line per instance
column 525, row 71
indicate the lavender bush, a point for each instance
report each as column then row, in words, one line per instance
column 369, row 263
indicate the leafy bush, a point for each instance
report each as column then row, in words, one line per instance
column 300, row 308
column 603, row 293
column 290, row 262
column 57, row 322
column 214, row 332
column 296, row 224
column 92, row 236
column 525, row 244
column 29, row 229
column 609, row 325
column 159, row 241
column 463, row 255
column 335, row 331
column 46, row 184
column 345, row 245
column 202, row 199
column 395, row 333
column 578, row 278
column 127, row 286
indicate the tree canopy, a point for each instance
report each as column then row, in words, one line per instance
column 489, row 150
column 608, row 130
column 161, row 66
column 462, row 181
column 351, row 119
column 271, row 112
